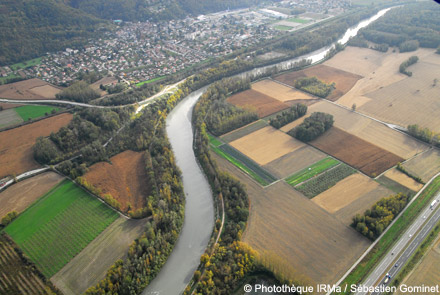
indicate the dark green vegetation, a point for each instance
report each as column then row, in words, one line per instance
column 8, row 218
column 424, row 134
column 245, row 164
column 392, row 235
column 30, row 28
column 407, row 27
column 68, row 212
column 324, row 181
column 403, row 170
column 314, row 86
column 376, row 220
column 410, row 61
column 34, row 112
column 312, row 127
column 295, row 112
column 79, row 92
column 311, row 171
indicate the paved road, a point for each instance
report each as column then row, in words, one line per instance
column 23, row 176
column 395, row 259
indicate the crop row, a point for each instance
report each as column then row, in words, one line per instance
column 324, row 181
column 312, row 171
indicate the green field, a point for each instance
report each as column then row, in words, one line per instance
column 33, row 112
column 282, row 28
column 149, row 81
column 297, row 20
column 59, row 225
column 324, row 181
column 26, row 64
column 214, row 140
column 387, row 241
column 245, row 164
column 311, row 171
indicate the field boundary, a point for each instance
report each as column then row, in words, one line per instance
column 26, row 122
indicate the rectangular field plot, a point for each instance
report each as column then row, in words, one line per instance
column 279, row 91
column 324, row 181
column 245, row 130
column 425, row 165
column 266, row 145
column 311, row 171
column 9, row 117
column 368, row 158
column 245, row 164
column 253, row 100
column 33, row 112
column 403, row 179
column 56, row 228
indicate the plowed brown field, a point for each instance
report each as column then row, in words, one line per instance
column 368, row 158
column 28, row 89
column 264, row 105
column 125, row 179
column 16, row 154
column 343, row 80
column 21, row 195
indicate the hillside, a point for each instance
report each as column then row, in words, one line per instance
column 30, row 28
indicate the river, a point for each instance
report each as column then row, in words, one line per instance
column 199, row 209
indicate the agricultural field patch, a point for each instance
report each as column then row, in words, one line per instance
column 427, row 272
column 312, row 171
column 16, row 155
column 28, row 89
column 15, row 276
column 57, row 227
column 124, row 179
column 324, row 181
column 279, row 91
column 253, row 100
column 21, row 195
column 266, row 145
column 313, row 15
column 34, row 112
column 9, row 117
column 413, row 100
column 425, row 165
column 343, row 80
column 245, row 164
column 345, row 192
column 243, row 131
column 298, row 20
column 7, row 106
column 112, row 244
column 295, row 161
column 394, row 186
column 403, row 179
column 372, row 131
column 285, row 222
column 367, row 157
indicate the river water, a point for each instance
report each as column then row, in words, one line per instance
column 199, row 209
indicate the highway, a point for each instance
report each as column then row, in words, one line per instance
column 396, row 258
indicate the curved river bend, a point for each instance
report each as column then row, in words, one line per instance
column 199, row 208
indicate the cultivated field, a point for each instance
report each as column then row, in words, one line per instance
column 125, row 179
column 34, row 111
column 112, row 244
column 57, row 227
column 9, row 117
column 294, row 161
column 279, row 213
column 343, row 80
column 7, row 106
column 21, row 195
column 312, row 171
column 427, row 272
column 279, row 91
column 266, row 145
column 345, row 192
column 413, row 100
column 28, row 89
column 425, row 165
column 368, row 158
column 16, row 154
column 403, row 179
column 324, row 181
column 15, row 276
column 243, row 131
column 372, row 131
column 264, row 105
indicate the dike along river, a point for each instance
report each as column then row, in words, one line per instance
column 199, row 208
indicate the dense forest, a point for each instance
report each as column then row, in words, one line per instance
column 30, row 28
column 406, row 27
column 296, row 111
column 376, row 220
column 312, row 127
